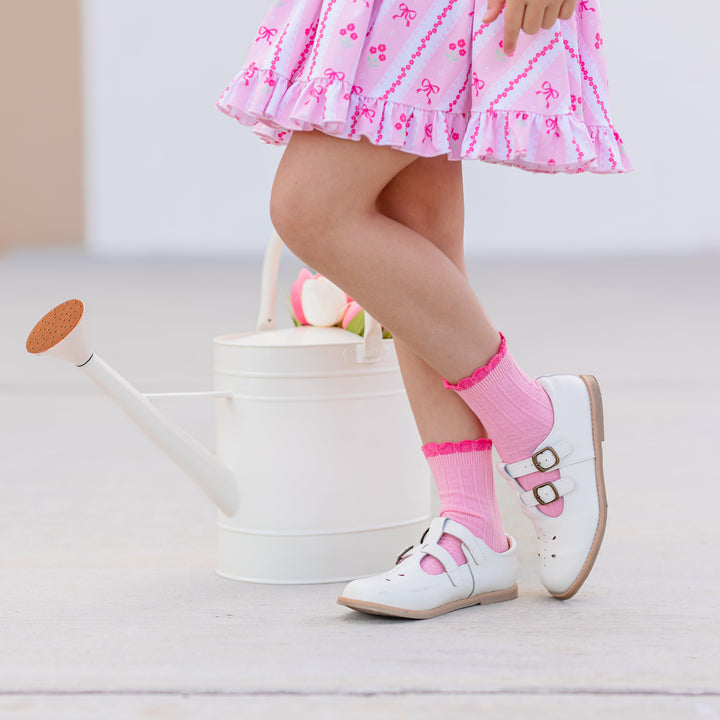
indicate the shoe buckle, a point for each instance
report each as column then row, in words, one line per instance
column 540, row 458
column 402, row 555
column 541, row 501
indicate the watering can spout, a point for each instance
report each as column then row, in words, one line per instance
column 61, row 334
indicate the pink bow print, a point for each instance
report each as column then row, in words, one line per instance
column 406, row 14
column 429, row 88
column 478, row 84
column 549, row 92
column 333, row 75
column 316, row 91
column 356, row 90
column 265, row 33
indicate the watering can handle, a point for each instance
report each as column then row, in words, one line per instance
column 266, row 318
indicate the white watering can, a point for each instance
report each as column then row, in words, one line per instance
column 298, row 502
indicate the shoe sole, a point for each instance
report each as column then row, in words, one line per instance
column 376, row 609
column 598, row 425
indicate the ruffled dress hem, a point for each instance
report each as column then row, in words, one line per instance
column 276, row 106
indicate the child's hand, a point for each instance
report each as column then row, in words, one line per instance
column 528, row 16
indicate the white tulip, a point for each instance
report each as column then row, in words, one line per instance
column 323, row 303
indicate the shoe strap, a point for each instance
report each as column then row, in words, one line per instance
column 470, row 542
column 431, row 536
column 472, row 545
column 442, row 556
column 547, row 492
column 548, row 457
column 435, row 531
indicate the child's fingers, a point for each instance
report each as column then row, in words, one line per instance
column 567, row 9
column 551, row 15
column 514, row 13
column 528, row 16
column 494, row 9
column 533, row 19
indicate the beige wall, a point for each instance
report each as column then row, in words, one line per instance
column 40, row 123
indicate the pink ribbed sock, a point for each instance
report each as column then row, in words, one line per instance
column 463, row 474
column 516, row 412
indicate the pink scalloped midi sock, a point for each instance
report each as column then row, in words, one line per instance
column 463, row 473
column 516, row 413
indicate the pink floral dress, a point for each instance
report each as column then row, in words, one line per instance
column 428, row 77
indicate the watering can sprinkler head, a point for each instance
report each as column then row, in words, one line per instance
column 61, row 334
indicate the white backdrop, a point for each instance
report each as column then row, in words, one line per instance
column 167, row 173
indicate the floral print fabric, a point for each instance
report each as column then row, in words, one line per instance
column 428, row 77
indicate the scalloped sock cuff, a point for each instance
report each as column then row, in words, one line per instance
column 516, row 413
column 463, row 473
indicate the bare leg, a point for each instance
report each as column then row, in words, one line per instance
column 324, row 205
column 427, row 196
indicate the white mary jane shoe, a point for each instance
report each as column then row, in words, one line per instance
column 568, row 544
column 408, row 591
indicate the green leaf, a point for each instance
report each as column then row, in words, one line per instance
column 357, row 324
column 288, row 304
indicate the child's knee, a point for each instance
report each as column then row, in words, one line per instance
column 298, row 216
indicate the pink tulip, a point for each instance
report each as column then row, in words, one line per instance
column 316, row 301
column 350, row 312
column 296, row 295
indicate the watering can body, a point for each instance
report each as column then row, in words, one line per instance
column 331, row 482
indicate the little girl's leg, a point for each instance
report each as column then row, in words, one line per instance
column 324, row 206
column 427, row 196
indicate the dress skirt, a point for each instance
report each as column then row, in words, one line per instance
column 428, row 77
